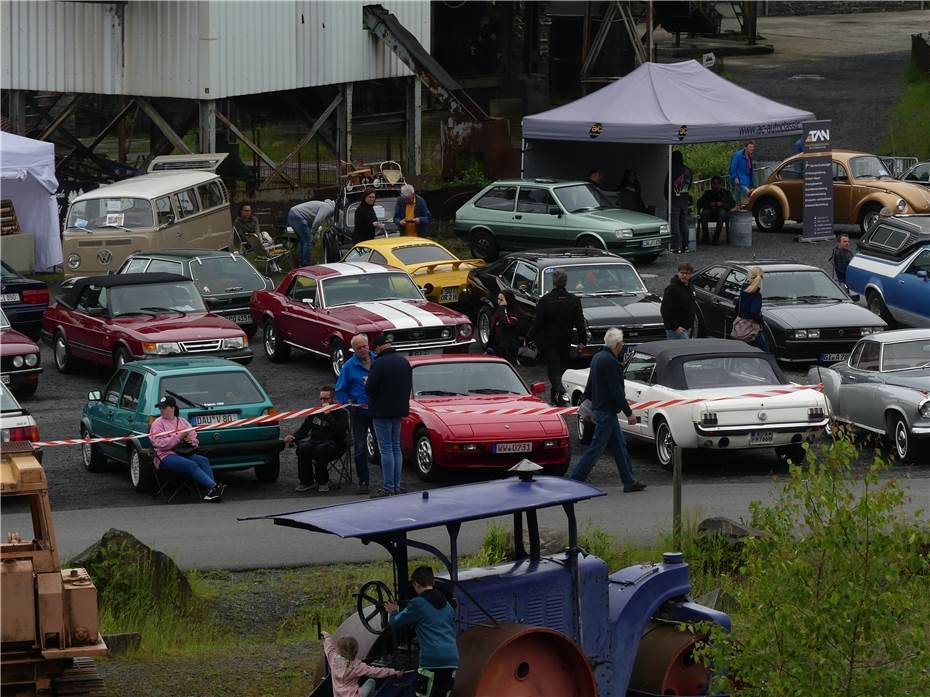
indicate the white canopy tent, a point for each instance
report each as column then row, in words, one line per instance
column 27, row 177
column 635, row 121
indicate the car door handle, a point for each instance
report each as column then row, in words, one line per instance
column 718, row 301
column 518, row 217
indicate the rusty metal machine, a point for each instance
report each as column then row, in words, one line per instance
column 48, row 618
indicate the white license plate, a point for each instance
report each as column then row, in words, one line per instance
column 5, row 379
column 9, row 298
column 833, row 357
column 761, row 437
column 504, row 448
column 423, row 352
column 240, row 319
column 449, row 295
column 212, row 419
column 651, row 243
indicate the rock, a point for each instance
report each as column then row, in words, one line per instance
column 730, row 530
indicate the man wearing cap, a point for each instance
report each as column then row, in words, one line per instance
column 388, row 387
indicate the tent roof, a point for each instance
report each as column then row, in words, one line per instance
column 21, row 156
column 667, row 103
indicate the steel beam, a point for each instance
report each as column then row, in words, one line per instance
column 100, row 136
column 253, row 147
column 162, row 125
column 62, row 117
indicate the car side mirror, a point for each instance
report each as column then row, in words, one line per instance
column 555, row 210
column 94, row 396
column 538, row 387
column 922, row 274
column 854, row 297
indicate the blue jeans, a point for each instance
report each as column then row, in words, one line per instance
column 195, row 466
column 388, row 433
column 672, row 334
column 361, row 423
column 607, row 434
column 304, row 238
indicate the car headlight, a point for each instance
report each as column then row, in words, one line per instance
column 465, row 330
column 813, row 333
column 924, row 409
column 446, row 333
column 624, row 233
column 18, row 361
column 74, row 261
column 663, row 229
column 799, row 334
column 161, row 349
column 901, row 205
column 32, row 360
column 236, row 342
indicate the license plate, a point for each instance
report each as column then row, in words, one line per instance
column 505, row 448
column 244, row 318
column 651, row 243
column 449, row 295
column 761, row 437
column 5, row 379
column 204, row 419
column 423, row 352
column 9, row 298
column 833, row 357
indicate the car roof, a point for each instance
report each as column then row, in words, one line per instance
column 560, row 255
column 456, row 358
column 669, row 349
column 773, row 265
column 900, row 335
column 916, row 220
column 183, row 253
column 538, row 180
column 346, row 268
column 149, row 185
column 186, row 365
column 71, row 294
column 376, row 518
column 389, row 243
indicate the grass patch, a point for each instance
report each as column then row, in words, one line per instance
column 906, row 132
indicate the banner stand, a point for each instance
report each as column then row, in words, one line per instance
column 818, row 182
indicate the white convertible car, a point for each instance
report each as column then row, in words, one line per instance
column 712, row 394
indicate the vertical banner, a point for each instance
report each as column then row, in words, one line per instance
column 818, row 182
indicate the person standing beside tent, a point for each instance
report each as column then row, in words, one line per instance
column 681, row 201
column 741, row 170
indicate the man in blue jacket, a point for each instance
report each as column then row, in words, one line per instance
column 350, row 389
column 433, row 618
column 388, row 387
column 741, row 170
column 411, row 214
column 605, row 390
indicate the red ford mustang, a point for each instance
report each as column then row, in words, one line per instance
column 19, row 360
column 125, row 317
column 320, row 308
column 435, row 441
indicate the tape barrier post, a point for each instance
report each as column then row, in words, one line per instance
column 676, row 498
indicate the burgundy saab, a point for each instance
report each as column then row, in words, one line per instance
column 19, row 360
column 320, row 308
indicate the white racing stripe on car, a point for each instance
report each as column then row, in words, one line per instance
column 400, row 320
column 879, row 266
column 424, row 317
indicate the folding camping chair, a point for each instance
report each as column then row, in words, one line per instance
column 168, row 483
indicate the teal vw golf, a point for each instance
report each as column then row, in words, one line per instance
column 208, row 391
column 511, row 215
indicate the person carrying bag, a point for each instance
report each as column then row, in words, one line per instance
column 748, row 323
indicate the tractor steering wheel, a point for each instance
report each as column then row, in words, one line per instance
column 374, row 593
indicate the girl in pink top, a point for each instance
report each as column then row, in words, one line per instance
column 346, row 669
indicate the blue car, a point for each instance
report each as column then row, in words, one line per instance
column 892, row 270
column 23, row 299
column 208, row 391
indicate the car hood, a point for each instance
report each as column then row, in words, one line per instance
column 12, row 343
column 397, row 314
column 607, row 310
column 173, row 327
column 620, row 217
column 820, row 315
column 914, row 194
column 918, row 379
column 467, row 425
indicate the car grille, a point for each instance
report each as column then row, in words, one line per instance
column 201, row 346
column 420, row 334
column 631, row 335
column 841, row 333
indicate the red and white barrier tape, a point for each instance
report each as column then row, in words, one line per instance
column 477, row 411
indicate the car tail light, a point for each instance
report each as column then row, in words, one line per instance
column 36, row 297
column 709, row 419
column 270, row 411
column 20, row 433
column 815, row 413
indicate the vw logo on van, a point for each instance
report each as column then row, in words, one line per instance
column 104, row 256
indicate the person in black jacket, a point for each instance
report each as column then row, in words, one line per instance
column 505, row 338
column 678, row 306
column 390, row 381
column 558, row 315
column 715, row 204
column 367, row 224
column 605, row 390
column 320, row 439
column 630, row 196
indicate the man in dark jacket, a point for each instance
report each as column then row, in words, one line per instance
column 388, row 386
column 558, row 314
column 678, row 306
column 841, row 257
column 605, row 390
column 320, row 439
column 715, row 205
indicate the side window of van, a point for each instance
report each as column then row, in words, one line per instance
column 211, row 195
column 163, row 210
column 187, row 202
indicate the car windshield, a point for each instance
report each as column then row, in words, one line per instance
column 906, row 355
column 4, row 322
column 226, row 274
column 422, row 254
column 806, row 286
column 111, row 212
column 368, row 288
column 466, row 378
column 597, row 279
column 8, row 272
column 151, row 298
column 7, row 400
column 729, row 371
column 212, row 389
column 581, row 197
column 868, row 167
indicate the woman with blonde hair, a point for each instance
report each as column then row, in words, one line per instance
column 748, row 323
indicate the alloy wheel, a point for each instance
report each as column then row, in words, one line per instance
column 424, row 454
column 135, row 468
column 665, row 446
column 484, row 327
column 270, row 339
column 61, row 353
column 768, row 215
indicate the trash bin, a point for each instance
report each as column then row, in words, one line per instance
column 741, row 229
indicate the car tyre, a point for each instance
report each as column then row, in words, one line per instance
column 269, row 473
column 371, row 448
column 867, row 217
column 585, row 428
column 141, row 471
column 26, row 390
column 276, row 350
column 337, row 356
column 876, row 305
column 794, row 452
column 93, row 459
column 63, row 360
column 899, row 438
column 423, row 456
column 768, row 214
column 592, row 242
column 697, row 329
column 483, row 333
column 483, row 245
column 120, row 357
column 649, row 258
column 665, row 445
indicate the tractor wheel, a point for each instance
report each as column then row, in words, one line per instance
column 665, row 663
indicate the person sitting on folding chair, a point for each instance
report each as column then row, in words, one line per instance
column 244, row 225
column 320, row 439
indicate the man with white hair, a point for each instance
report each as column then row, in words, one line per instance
column 605, row 390
column 306, row 219
column 411, row 214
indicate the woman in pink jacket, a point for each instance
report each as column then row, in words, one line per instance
column 162, row 434
column 347, row 669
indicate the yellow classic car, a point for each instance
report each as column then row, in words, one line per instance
column 438, row 272
column 862, row 186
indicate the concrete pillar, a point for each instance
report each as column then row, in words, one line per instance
column 344, row 123
column 18, row 112
column 207, row 129
column 412, row 122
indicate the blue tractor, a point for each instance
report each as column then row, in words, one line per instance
column 558, row 625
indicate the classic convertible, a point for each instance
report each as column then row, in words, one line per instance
column 320, row 308
column 884, row 388
column 745, row 400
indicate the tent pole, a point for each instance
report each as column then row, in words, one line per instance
column 522, row 158
column 668, row 210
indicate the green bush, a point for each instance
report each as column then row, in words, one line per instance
column 709, row 159
column 835, row 603
column 906, row 132
column 496, row 547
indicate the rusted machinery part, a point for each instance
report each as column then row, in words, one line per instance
column 80, row 680
column 520, row 660
column 665, row 663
